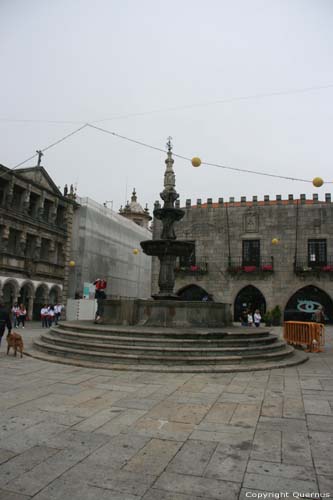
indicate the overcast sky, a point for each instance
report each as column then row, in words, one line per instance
column 127, row 62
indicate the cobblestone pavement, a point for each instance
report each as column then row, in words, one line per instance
column 77, row 433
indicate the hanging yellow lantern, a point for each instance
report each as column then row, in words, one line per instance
column 275, row 241
column 317, row 182
column 196, row 162
column 71, row 263
column 135, row 251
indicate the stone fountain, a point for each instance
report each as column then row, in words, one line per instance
column 168, row 248
column 164, row 334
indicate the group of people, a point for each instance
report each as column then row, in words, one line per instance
column 19, row 315
column 249, row 319
column 50, row 314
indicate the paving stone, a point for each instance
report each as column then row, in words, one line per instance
column 154, row 494
column 192, row 397
column 267, row 446
column 321, row 444
column 293, row 408
column 119, row 450
column 192, row 485
column 35, row 435
column 123, row 481
column 6, row 455
column 220, row 413
column 177, row 412
column 229, row 461
column 24, row 462
column 317, row 407
column 296, row 448
column 193, row 458
column 154, row 457
column 282, row 424
column 320, row 423
column 97, row 420
column 227, row 433
column 270, row 483
column 287, row 471
column 228, row 397
column 325, row 485
column 8, row 495
column 121, row 422
column 246, row 415
column 164, row 429
column 137, row 403
column 272, row 407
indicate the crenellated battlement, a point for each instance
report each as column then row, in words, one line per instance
column 244, row 202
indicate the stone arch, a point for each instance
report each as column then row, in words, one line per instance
column 193, row 293
column 303, row 303
column 10, row 291
column 55, row 294
column 249, row 297
column 26, row 296
column 41, row 298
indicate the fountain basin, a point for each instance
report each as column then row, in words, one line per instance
column 168, row 313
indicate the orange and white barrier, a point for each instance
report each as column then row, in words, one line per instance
column 304, row 333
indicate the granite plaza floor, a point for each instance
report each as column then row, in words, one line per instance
column 77, row 433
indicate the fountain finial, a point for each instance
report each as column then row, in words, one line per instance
column 169, row 194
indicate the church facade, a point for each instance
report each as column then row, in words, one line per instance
column 35, row 232
column 258, row 254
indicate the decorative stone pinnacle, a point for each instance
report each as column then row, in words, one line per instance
column 169, row 176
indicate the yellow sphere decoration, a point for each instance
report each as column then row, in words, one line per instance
column 196, row 162
column 317, row 182
column 275, row 241
column 71, row 263
column 135, row 251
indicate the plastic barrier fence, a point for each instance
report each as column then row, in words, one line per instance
column 303, row 333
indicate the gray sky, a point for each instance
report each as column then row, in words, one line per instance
column 84, row 60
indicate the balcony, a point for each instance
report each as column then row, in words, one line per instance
column 237, row 267
column 197, row 269
column 303, row 267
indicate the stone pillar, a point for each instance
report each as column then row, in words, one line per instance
column 30, row 306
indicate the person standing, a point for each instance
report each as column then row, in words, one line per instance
column 257, row 318
column 4, row 321
column 319, row 315
column 22, row 314
column 14, row 311
column 44, row 316
column 51, row 315
column 57, row 312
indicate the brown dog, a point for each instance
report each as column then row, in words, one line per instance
column 15, row 341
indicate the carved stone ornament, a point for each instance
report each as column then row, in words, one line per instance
column 251, row 222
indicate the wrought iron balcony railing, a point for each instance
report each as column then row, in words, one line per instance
column 304, row 266
column 194, row 269
column 236, row 265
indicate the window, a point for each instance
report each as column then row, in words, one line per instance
column 251, row 253
column 188, row 261
column 317, row 252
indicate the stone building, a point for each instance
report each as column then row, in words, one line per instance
column 258, row 254
column 107, row 245
column 35, row 230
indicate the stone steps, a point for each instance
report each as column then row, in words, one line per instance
column 205, row 349
column 176, row 349
column 139, row 339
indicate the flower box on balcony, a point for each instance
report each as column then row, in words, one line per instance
column 267, row 267
column 327, row 269
column 249, row 269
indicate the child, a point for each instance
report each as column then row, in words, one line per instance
column 249, row 319
column 257, row 318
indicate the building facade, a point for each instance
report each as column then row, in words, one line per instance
column 258, row 254
column 35, row 231
column 106, row 245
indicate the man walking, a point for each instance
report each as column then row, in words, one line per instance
column 4, row 321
